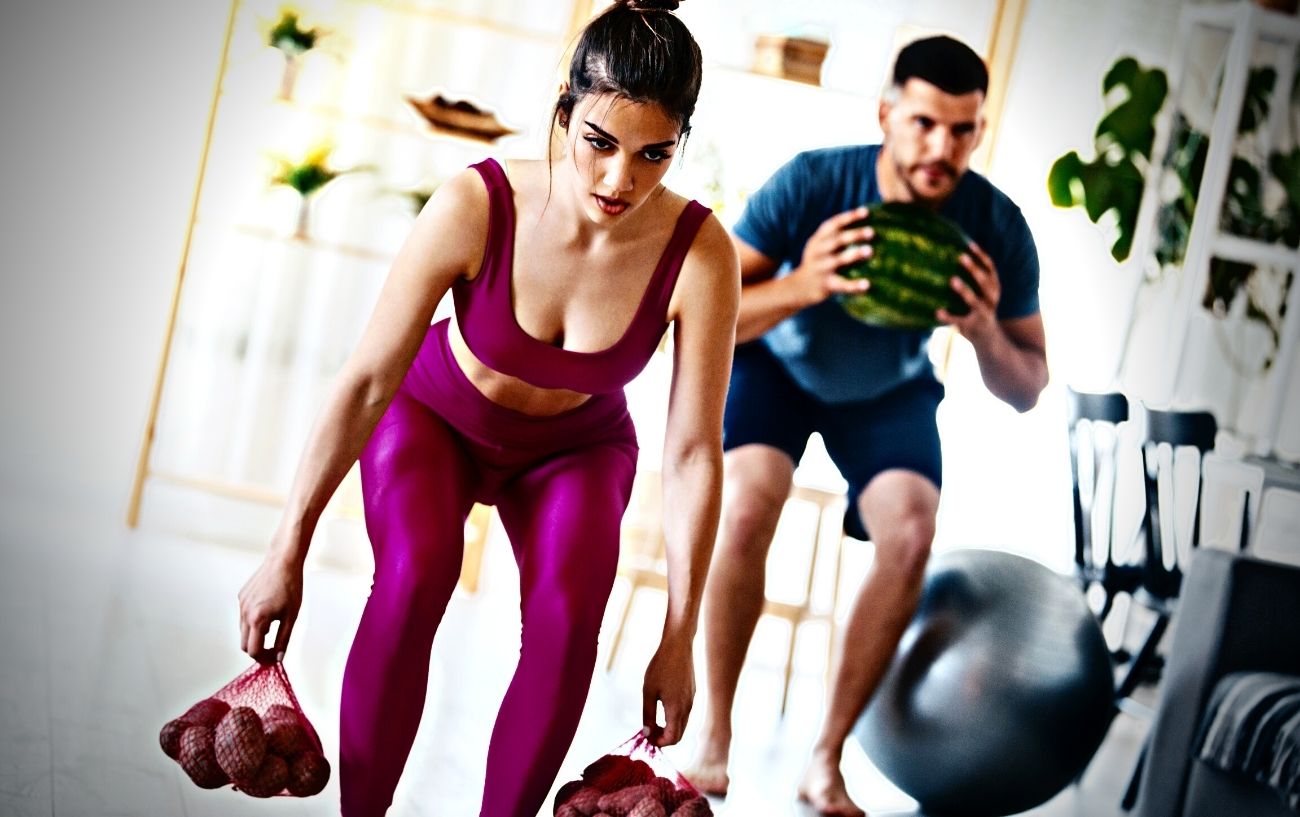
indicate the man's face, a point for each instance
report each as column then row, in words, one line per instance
column 929, row 137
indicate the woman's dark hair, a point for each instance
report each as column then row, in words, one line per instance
column 638, row 50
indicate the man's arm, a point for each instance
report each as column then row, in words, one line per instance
column 1012, row 353
column 1013, row 361
column 765, row 301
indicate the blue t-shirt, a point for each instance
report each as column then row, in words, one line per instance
column 830, row 354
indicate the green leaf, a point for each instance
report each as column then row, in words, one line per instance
column 1254, row 109
column 1122, row 72
column 291, row 39
column 1131, row 123
column 1285, row 167
column 1064, row 172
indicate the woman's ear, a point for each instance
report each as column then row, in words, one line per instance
column 564, row 105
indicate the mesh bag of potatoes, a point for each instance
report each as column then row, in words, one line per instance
column 635, row 780
column 250, row 734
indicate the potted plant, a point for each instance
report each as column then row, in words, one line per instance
column 307, row 176
column 1114, row 181
column 288, row 36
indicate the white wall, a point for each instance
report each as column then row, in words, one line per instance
column 1053, row 105
column 103, row 110
column 104, row 106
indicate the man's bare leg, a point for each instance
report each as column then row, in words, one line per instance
column 899, row 509
column 756, row 486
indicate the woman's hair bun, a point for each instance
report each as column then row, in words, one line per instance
column 652, row 5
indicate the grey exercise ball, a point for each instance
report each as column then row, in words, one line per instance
column 1000, row 693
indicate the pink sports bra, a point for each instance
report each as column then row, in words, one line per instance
column 485, row 311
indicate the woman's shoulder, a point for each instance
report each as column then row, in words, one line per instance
column 454, row 222
column 711, row 248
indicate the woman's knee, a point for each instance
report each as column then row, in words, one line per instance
column 417, row 579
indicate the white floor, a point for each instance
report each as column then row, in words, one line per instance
column 108, row 633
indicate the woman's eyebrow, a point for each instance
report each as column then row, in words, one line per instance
column 609, row 137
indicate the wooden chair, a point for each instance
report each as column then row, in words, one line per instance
column 477, row 528
column 826, row 503
column 642, row 563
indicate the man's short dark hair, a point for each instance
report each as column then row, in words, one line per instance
column 949, row 65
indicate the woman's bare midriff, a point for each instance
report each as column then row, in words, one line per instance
column 508, row 391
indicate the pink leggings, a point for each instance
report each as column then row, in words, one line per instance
column 560, row 484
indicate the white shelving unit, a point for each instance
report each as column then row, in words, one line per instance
column 263, row 317
column 1171, row 359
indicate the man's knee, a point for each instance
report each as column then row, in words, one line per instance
column 905, row 548
column 755, row 491
column 903, row 526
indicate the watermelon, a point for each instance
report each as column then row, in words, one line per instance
column 915, row 254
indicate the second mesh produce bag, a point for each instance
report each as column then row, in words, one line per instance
column 635, row 780
column 251, row 734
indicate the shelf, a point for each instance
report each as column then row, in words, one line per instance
column 471, row 20
column 417, row 127
column 1249, row 251
column 309, row 243
column 250, row 492
column 1273, row 26
column 749, row 73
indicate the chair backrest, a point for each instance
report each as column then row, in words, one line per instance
column 1094, row 431
column 1166, row 551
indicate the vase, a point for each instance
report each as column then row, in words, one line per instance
column 289, row 78
column 302, row 231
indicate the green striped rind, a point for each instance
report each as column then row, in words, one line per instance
column 915, row 254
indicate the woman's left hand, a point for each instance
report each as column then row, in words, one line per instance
column 670, row 679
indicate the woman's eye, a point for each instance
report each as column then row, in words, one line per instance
column 658, row 155
column 598, row 143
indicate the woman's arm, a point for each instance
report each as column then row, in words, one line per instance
column 446, row 243
column 705, row 305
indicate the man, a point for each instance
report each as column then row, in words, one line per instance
column 803, row 365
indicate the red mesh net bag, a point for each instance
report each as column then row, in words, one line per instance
column 635, row 780
column 251, row 734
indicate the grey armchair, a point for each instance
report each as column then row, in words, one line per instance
column 1237, row 614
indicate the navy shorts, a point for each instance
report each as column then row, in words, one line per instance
column 895, row 430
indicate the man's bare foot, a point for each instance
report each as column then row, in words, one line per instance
column 823, row 788
column 709, row 771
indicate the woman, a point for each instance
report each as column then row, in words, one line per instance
column 565, row 274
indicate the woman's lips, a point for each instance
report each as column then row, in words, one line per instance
column 611, row 206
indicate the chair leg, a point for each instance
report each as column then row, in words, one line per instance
column 835, row 606
column 478, row 524
column 789, row 665
column 622, row 622
column 1135, row 782
column 1145, row 655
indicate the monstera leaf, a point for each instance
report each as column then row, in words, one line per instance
column 1130, row 125
column 1099, row 186
column 1123, row 141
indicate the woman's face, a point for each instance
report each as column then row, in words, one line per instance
column 620, row 151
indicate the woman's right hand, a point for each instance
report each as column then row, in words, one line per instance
column 273, row 593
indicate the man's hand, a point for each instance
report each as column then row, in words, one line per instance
column 833, row 245
column 982, row 320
